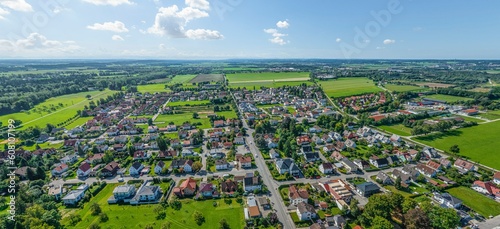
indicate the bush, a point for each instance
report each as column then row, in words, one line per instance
column 103, row 217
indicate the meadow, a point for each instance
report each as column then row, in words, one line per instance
column 127, row 216
column 51, row 110
column 343, row 87
column 447, row 98
column 491, row 115
column 179, row 119
column 188, row 103
column 398, row 129
column 181, row 79
column 479, row 143
column 478, row 202
column 268, row 84
column 403, row 88
column 268, row 76
column 152, row 88
column 207, row 78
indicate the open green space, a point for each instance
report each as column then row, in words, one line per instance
column 398, row 129
column 207, row 78
column 448, row 98
column 179, row 119
column 476, row 201
column 127, row 216
column 227, row 114
column 55, row 110
column 268, row 76
column 343, row 87
column 181, row 79
column 269, row 84
column 491, row 115
column 188, row 103
column 152, row 88
column 402, row 88
column 479, row 143
column 78, row 122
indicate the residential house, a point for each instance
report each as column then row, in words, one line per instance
column 147, row 193
column 445, row 162
column 339, row 221
column 383, row 178
column 136, row 168
column 239, row 141
column 110, row 169
column 496, row 178
column 350, row 144
column 84, row 170
column 362, row 164
column 245, row 162
column 287, row 166
column 229, row 187
column 69, row 159
column 446, row 200
column 182, row 165
column 273, row 154
column 123, row 192
column 306, row 211
column 297, row 196
column 187, row 188
column 95, row 159
column 379, row 162
column 487, row 188
column 340, row 191
column 326, row 168
column 425, row 170
column 60, row 169
column 463, row 166
column 73, row 197
column 221, row 164
column 367, row 189
column 141, row 155
column 337, row 156
column 251, row 183
column 311, row 157
column 56, row 191
column 430, row 152
column 349, row 165
column 328, row 148
column 434, row 165
column 159, row 167
column 207, row 190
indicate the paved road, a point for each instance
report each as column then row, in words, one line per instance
column 490, row 223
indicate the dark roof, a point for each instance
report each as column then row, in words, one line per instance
column 368, row 187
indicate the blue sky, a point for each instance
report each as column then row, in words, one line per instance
column 222, row 29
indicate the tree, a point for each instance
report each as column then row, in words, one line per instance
column 74, row 218
column 443, row 218
column 416, row 219
column 196, row 115
column 397, row 184
column 162, row 144
column 197, row 166
column 378, row 205
column 88, row 96
column 150, row 122
column 409, row 204
column 95, row 209
column 355, row 212
column 198, row 218
column 103, row 217
column 381, row 223
column 166, row 225
column 455, row 149
column 223, row 224
column 94, row 226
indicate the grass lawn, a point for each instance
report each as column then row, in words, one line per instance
column 52, row 112
column 478, row 202
column 479, row 143
column 179, row 119
column 152, row 88
column 447, row 98
column 126, row 216
column 45, row 145
column 491, row 115
column 403, row 88
column 343, row 87
column 227, row 114
column 181, row 79
column 78, row 122
column 398, row 129
column 268, row 84
column 402, row 192
column 268, row 76
column 189, row 103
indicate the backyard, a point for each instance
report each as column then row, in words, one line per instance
column 476, row 201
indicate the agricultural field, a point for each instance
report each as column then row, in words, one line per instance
column 481, row 89
column 55, row 110
column 267, row 76
column 403, row 88
column 448, row 98
column 491, row 115
column 78, row 122
column 398, row 129
column 476, row 201
column 189, row 103
column 435, row 85
column 268, row 84
column 479, row 143
column 181, row 79
column 207, row 78
column 227, row 114
column 343, row 87
column 152, row 88
column 179, row 119
column 126, row 216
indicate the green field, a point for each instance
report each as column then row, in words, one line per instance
column 42, row 113
column 207, row 78
column 491, row 115
column 126, row 216
column 448, row 98
column 78, row 122
column 343, row 87
column 227, row 114
column 478, row 202
column 398, row 129
column 181, row 79
column 268, row 76
column 179, row 119
column 479, row 143
column 268, row 84
column 152, row 88
column 403, row 88
column 188, row 103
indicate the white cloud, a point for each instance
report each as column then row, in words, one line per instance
column 18, row 5
column 116, row 26
column 162, row 46
column 389, row 41
column 171, row 22
column 117, row 38
column 35, row 43
column 198, row 4
column 109, row 2
column 338, row 40
column 278, row 40
column 283, row 24
column 2, row 13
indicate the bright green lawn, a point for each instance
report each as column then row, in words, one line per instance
column 126, row 216
column 267, row 76
column 71, row 104
column 479, row 143
column 491, row 115
column 152, row 88
column 179, row 119
column 447, row 98
column 268, row 84
column 343, row 87
column 78, row 122
column 478, row 202
column 181, row 79
column 402, row 88
column 45, row 145
column 190, row 103
column 227, row 114
column 398, row 129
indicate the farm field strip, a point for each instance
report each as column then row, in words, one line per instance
column 267, row 77
column 343, row 87
column 447, row 98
